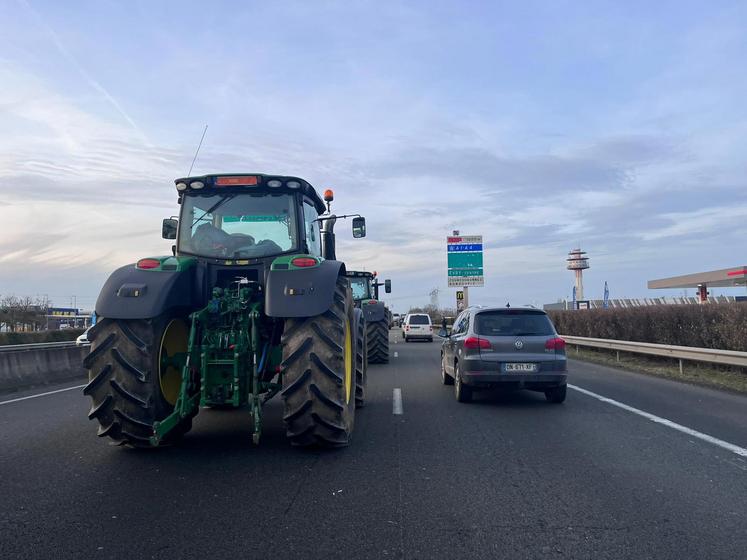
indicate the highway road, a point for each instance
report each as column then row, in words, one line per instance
column 508, row 476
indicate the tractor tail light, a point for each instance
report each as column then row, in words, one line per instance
column 556, row 343
column 147, row 264
column 303, row 262
column 475, row 343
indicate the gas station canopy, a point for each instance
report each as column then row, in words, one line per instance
column 726, row 278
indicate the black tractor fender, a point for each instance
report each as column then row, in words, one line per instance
column 132, row 293
column 302, row 292
column 373, row 312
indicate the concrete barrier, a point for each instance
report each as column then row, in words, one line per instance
column 29, row 366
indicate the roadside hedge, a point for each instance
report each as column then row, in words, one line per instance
column 716, row 326
column 40, row 336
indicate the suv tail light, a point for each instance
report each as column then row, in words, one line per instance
column 555, row 344
column 475, row 342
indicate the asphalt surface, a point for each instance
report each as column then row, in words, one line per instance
column 507, row 476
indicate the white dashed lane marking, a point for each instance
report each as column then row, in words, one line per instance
column 397, row 401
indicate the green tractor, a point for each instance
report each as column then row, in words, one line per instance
column 377, row 316
column 251, row 303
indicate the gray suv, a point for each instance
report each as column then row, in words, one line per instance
column 512, row 348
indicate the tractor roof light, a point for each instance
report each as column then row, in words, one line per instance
column 197, row 184
column 293, row 185
column 181, row 187
column 274, row 183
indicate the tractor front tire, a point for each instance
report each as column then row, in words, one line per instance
column 125, row 380
column 318, row 371
column 378, row 341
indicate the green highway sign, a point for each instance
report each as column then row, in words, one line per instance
column 464, row 260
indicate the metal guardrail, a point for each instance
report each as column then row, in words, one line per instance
column 726, row 357
column 36, row 346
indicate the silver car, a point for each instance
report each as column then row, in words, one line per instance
column 513, row 348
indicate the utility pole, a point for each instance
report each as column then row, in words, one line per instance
column 455, row 233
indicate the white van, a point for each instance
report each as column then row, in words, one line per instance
column 417, row 326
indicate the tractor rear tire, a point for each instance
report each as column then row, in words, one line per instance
column 378, row 341
column 361, row 360
column 318, row 372
column 125, row 382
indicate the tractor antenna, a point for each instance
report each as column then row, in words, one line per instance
column 194, row 159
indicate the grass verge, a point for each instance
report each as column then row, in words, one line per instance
column 697, row 373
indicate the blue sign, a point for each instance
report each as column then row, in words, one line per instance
column 464, row 247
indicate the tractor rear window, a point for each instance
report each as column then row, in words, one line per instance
column 237, row 225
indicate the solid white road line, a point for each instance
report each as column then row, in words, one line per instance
column 397, row 401
column 42, row 394
column 396, row 355
column 741, row 451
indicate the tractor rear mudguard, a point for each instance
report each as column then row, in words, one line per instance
column 302, row 292
column 373, row 312
column 132, row 293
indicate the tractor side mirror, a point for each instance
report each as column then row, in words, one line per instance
column 168, row 229
column 388, row 286
column 359, row 227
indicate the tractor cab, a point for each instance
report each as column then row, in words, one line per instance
column 365, row 286
column 362, row 285
column 243, row 217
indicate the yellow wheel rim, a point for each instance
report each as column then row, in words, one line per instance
column 175, row 340
column 348, row 360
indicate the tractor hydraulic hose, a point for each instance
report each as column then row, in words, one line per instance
column 261, row 367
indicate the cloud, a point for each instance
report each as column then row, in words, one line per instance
column 95, row 84
column 711, row 220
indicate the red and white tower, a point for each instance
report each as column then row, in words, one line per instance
column 577, row 262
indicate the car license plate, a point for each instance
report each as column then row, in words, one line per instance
column 520, row 368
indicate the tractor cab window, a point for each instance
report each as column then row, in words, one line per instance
column 361, row 287
column 313, row 234
column 237, row 225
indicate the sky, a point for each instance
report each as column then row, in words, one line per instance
column 616, row 126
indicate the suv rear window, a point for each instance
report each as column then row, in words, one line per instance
column 419, row 320
column 513, row 323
